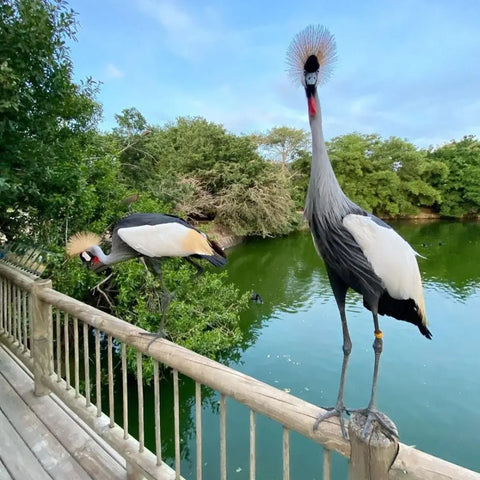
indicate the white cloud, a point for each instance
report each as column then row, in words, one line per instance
column 112, row 71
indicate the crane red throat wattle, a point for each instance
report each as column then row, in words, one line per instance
column 312, row 106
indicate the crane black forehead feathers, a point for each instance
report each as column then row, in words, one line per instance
column 311, row 65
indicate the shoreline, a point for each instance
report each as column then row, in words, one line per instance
column 227, row 239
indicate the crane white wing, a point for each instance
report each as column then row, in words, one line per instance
column 165, row 240
column 391, row 257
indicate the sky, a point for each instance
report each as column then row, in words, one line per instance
column 405, row 68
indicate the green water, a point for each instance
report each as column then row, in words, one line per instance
column 430, row 389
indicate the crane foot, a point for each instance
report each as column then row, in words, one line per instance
column 373, row 418
column 336, row 411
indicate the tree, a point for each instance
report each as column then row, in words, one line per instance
column 130, row 122
column 283, row 144
column 414, row 171
column 388, row 177
column 366, row 177
column 460, row 189
column 207, row 173
column 46, row 120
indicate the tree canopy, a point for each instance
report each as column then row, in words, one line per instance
column 46, row 120
column 460, row 189
column 283, row 144
column 206, row 173
column 389, row 177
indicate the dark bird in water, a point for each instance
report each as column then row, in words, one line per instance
column 360, row 251
column 255, row 297
column 152, row 236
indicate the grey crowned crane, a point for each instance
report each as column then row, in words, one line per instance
column 360, row 251
column 153, row 236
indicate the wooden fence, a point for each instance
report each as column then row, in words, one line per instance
column 37, row 323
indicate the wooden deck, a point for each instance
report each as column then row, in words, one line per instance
column 40, row 440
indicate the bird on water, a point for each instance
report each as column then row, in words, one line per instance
column 360, row 251
column 152, row 236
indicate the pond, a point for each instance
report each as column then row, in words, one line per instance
column 430, row 389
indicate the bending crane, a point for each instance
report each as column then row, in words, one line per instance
column 153, row 236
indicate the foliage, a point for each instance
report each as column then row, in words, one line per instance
column 46, row 120
column 461, row 187
column 368, row 169
column 203, row 314
column 300, row 177
column 71, row 277
column 203, row 172
column 283, row 144
column 388, row 177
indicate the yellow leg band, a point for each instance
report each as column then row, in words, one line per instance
column 378, row 334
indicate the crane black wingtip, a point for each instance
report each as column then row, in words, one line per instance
column 216, row 260
column 218, row 257
column 425, row 331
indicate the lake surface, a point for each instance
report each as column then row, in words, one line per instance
column 430, row 389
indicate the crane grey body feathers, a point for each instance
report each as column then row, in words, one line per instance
column 360, row 251
column 330, row 214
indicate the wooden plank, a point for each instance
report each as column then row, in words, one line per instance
column 19, row 461
column 88, row 452
column 4, row 475
column 45, row 446
column 413, row 464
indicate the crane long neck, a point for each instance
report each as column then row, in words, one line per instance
column 111, row 258
column 325, row 195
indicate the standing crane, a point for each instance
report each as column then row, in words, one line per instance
column 360, row 251
column 152, row 236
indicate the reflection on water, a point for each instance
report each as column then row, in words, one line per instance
column 289, row 271
column 431, row 389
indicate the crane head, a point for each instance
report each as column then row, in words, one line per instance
column 310, row 57
column 91, row 260
column 85, row 244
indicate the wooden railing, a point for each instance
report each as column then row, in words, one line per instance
column 38, row 323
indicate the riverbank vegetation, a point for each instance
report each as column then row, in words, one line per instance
column 60, row 174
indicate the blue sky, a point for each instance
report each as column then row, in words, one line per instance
column 408, row 68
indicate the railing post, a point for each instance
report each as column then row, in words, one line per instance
column 41, row 335
column 371, row 457
column 133, row 473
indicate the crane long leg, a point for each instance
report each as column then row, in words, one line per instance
column 339, row 408
column 164, row 299
column 377, row 348
column 388, row 427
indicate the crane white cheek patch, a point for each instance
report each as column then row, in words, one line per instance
column 85, row 256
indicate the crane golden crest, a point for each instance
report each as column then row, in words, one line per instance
column 80, row 242
column 313, row 40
